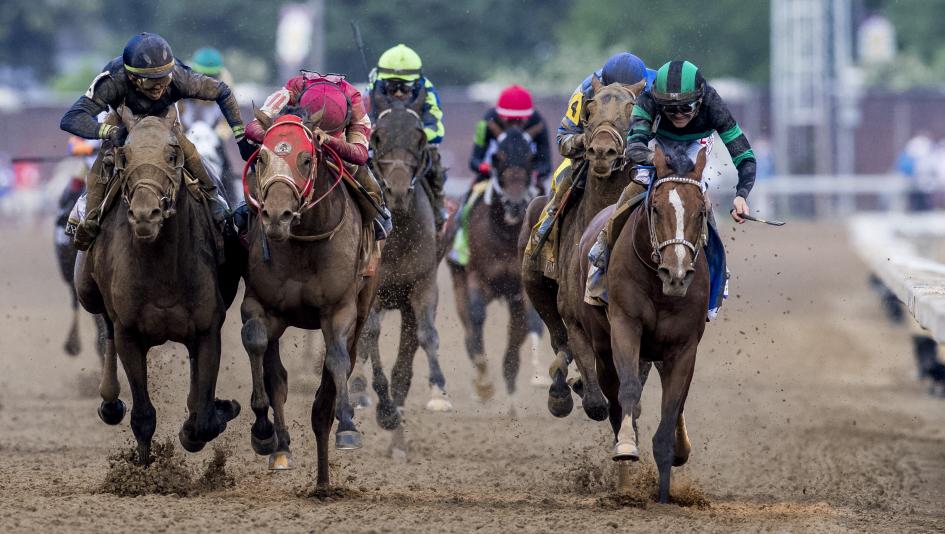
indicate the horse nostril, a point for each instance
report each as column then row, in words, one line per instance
column 265, row 215
column 131, row 215
column 286, row 216
column 155, row 214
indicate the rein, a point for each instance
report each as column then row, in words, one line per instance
column 658, row 246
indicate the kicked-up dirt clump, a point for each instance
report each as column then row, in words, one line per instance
column 215, row 476
column 167, row 474
column 642, row 488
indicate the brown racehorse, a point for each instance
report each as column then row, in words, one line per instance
column 407, row 273
column 154, row 272
column 559, row 302
column 304, row 270
column 656, row 312
column 494, row 268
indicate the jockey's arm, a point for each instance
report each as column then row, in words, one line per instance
column 570, row 137
column 81, row 120
column 641, row 131
column 432, row 114
column 743, row 157
column 480, row 144
column 354, row 147
column 201, row 87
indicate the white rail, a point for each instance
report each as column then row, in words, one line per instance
column 891, row 245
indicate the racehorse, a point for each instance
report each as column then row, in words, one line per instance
column 155, row 273
column 492, row 224
column 407, row 274
column 656, row 311
column 606, row 116
column 304, row 270
column 65, row 258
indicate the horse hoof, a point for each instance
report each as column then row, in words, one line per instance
column 72, row 347
column 348, row 440
column 388, row 417
column 281, row 461
column 227, row 410
column 626, row 451
column 597, row 411
column 111, row 413
column 439, row 401
column 188, row 444
column 679, row 461
column 264, row 446
column 484, row 389
column 362, row 401
column 560, row 402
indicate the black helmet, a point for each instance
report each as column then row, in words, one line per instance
column 148, row 55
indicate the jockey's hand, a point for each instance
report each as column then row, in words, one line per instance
column 485, row 169
column 638, row 154
column 247, row 148
column 739, row 207
column 117, row 135
column 320, row 136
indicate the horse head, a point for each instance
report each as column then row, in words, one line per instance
column 606, row 117
column 398, row 142
column 678, row 218
column 285, row 175
column 513, row 162
column 152, row 164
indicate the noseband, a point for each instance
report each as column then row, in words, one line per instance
column 658, row 246
column 609, row 127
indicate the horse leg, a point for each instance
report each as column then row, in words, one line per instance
column 338, row 328
column 592, row 398
column 543, row 294
column 675, row 375
column 255, row 337
column 517, row 331
column 625, row 335
column 401, row 375
column 683, row 446
column 358, row 383
column 101, row 337
column 277, row 389
column 208, row 415
column 535, row 327
column 112, row 409
column 322, row 417
column 423, row 302
column 387, row 416
column 133, row 356
column 73, row 345
column 475, row 344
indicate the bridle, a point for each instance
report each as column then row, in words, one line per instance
column 166, row 194
column 495, row 182
column 304, row 194
column 423, row 162
column 658, row 246
column 609, row 127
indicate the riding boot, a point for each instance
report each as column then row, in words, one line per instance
column 436, row 177
column 595, row 291
column 383, row 223
column 96, row 185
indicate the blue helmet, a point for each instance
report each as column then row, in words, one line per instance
column 624, row 68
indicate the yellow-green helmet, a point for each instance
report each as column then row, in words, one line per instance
column 399, row 62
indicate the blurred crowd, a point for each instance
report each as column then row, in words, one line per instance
column 922, row 160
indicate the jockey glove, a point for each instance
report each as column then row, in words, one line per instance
column 639, row 154
column 484, row 168
column 117, row 135
column 246, row 148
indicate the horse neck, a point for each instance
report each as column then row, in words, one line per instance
column 325, row 214
column 602, row 192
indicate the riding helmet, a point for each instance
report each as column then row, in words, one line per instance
column 624, row 68
column 399, row 62
column 678, row 83
column 148, row 55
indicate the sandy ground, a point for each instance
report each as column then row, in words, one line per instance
column 804, row 415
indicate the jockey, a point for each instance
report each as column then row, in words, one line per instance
column 399, row 76
column 680, row 107
column 513, row 109
column 623, row 68
column 344, row 126
column 146, row 79
column 209, row 62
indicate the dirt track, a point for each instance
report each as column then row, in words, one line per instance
column 804, row 415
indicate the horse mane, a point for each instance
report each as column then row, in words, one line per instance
column 677, row 158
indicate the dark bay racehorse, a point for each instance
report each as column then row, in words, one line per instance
column 559, row 302
column 494, row 268
column 304, row 270
column 155, row 274
column 658, row 286
column 407, row 273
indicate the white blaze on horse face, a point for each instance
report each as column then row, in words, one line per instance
column 676, row 201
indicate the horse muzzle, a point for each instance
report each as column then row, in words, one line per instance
column 675, row 280
column 277, row 226
column 145, row 222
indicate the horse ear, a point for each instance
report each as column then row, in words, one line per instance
column 315, row 118
column 659, row 161
column 700, row 164
column 636, row 89
column 264, row 120
column 596, row 84
column 127, row 117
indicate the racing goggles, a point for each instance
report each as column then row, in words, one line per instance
column 397, row 85
column 329, row 77
column 682, row 109
column 147, row 84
